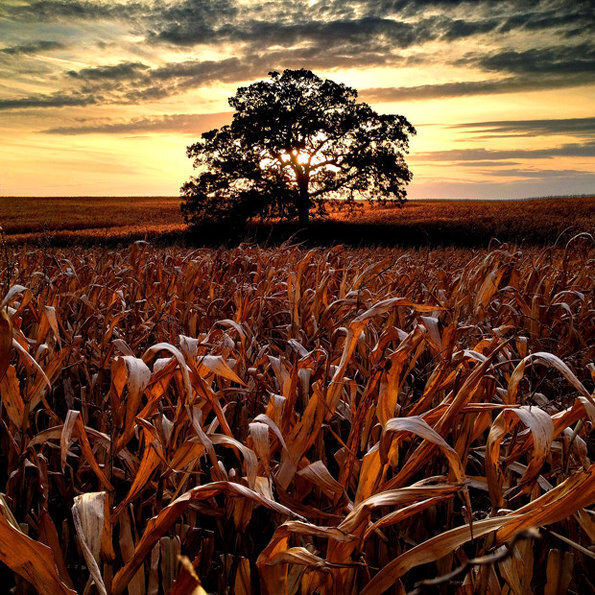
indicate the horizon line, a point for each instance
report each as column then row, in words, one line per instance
column 426, row 198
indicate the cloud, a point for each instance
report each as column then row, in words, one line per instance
column 487, row 163
column 402, row 24
column 55, row 10
column 322, row 31
column 565, row 15
column 143, row 13
column 537, row 173
column 460, row 28
column 533, row 69
column 34, row 47
column 124, row 70
column 584, row 127
column 52, row 100
column 134, row 82
column 480, row 154
column 567, row 59
column 176, row 123
column 272, row 32
column 329, row 35
column 190, row 22
column 466, row 88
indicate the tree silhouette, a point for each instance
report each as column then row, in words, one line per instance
column 294, row 141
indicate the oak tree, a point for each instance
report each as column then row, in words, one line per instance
column 295, row 140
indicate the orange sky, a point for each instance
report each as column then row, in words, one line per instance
column 102, row 97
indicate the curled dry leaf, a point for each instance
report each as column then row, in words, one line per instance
column 551, row 360
column 30, row 559
column 400, row 497
column 5, row 341
column 417, row 425
column 564, row 499
column 74, row 427
column 11, row 397
column 132, row 373
column 217, row 365
column 13, row 292
column 319, row 475
column 88, row 513
column 152, row 456
column 542, row 430
column 157, row 526
column 187, row 582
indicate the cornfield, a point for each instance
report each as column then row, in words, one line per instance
column 285, row 420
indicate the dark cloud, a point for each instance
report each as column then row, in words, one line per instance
column 480, row 154
column 584, row 127
column 328, row 35
column 459, row 28
column 529, row 14
column 34, row 47
column 178, row 123
column 55, row 10
column 574, row 59
column 487, row 163
column 146, row 12
column 189, row 9
column 133, row 82
column 266, row 33
column 465, row 88
column 565, row 15
column 191, row 21
column 537, row 173
column 124, row 70
column 196, row 73
column 53, row 100
column 324, row 33
column 374, row 40
column 404, row 22
column 178, row 77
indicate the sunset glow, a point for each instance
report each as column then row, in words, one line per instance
column 101, row 97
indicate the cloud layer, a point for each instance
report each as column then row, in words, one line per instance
column 492, row 155
column 326, row 35
column 114, row 69
column 186, row 123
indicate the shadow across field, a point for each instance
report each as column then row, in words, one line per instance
column 457, row 232
column 358, row 234
column 430, row 223
column 319, row 233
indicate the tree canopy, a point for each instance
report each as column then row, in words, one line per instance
column 294, row 141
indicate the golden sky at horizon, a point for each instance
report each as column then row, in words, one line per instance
column 102, row 97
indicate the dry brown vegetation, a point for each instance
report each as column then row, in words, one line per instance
column 540, row 220
column 66, row 221
column 33, row 215
column 292, row 421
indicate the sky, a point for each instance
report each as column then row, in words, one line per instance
column 101, row 97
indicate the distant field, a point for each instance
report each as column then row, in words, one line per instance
column 38, row 215
column 88, row 220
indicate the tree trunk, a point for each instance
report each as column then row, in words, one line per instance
column 303, row 201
